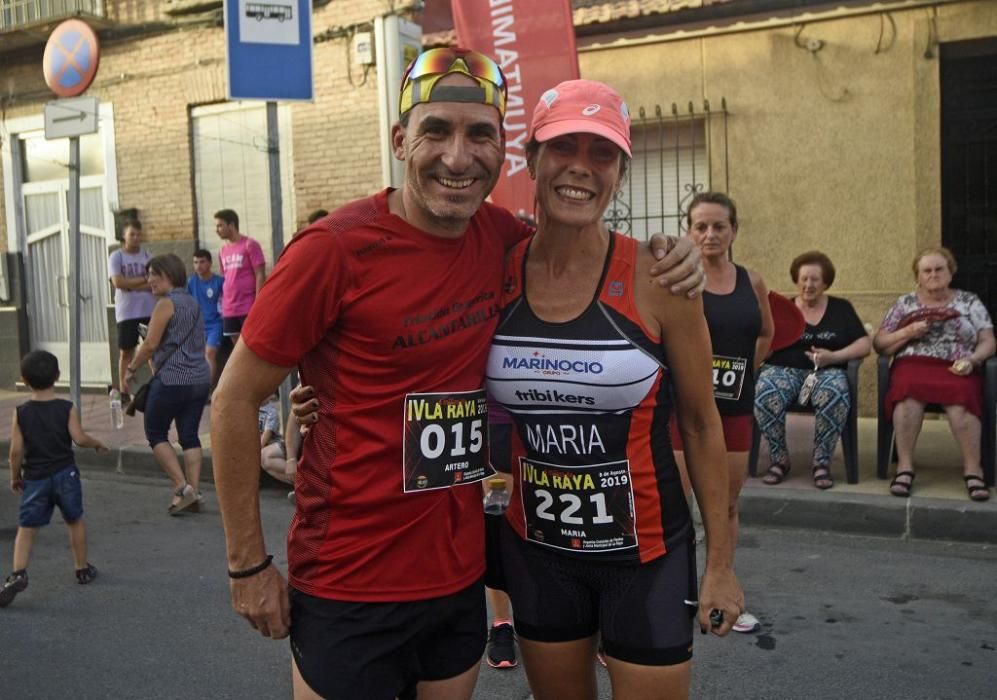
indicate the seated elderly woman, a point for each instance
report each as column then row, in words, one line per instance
column 833, row 335
column 940, row 338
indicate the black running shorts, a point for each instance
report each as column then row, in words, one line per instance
column 232, row 325
column 128, row 335
column 639, row 609
column 379, row 651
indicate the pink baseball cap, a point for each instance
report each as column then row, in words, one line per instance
column 582, row 106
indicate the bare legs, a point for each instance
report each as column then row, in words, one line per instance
column 25, row 540
column 566, row 671
column 562, row 670
column 967, row 431
column 211, row 355
column 908, row 416
column 23, row 543
column 634, row 682
column 500, row 604
column 124, row 357
column 274, row 464
column 166, row 456
column 78, row 543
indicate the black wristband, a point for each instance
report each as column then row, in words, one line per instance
column 252, row 571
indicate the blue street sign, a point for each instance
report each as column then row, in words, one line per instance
column 268, row 49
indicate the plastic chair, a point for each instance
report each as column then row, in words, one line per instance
column 849, row 434
column 886, row 445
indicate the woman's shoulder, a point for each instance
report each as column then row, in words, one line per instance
column 839, row 302
column 179, row 295
column 966, row 298
column 754, row 276
column 907, row 300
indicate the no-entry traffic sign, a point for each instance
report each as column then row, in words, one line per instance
column 71, row 58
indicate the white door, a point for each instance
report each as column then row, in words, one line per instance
column 48, row 261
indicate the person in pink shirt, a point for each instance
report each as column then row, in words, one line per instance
column 243, row 267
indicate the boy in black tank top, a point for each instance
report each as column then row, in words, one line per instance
column 43, row 470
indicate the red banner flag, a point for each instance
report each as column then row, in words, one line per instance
column 534, row 43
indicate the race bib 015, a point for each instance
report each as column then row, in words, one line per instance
column 446, row 440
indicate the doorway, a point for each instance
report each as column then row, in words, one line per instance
column 48, row 262
column 968, row 76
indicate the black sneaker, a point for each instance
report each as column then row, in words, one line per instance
column 501, row 646
column 14, row 584
column 87, row 574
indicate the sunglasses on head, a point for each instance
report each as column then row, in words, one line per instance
column 438, row 61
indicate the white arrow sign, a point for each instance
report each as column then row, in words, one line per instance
column 74, row 116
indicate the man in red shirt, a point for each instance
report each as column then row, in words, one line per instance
column 387, row 307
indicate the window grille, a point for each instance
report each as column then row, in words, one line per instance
column 672, row 157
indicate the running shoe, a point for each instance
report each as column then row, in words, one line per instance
column 747, row 623
column 14, row 584
column 502, row 646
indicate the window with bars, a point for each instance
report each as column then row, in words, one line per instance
column 671, row 163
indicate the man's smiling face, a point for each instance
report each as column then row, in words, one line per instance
column 453, row 154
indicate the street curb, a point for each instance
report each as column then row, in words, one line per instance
column 878, row 516
column 130, row 460
column 135, row 460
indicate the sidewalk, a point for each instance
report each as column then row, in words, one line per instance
column 938, row 508
column 130, row 453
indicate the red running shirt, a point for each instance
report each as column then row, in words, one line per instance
column 392, row 327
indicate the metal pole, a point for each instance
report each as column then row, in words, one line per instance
column 276, row 219
column 74, row 271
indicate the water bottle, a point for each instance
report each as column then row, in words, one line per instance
column 496, row 501
column 117, row 415
column 497, row 498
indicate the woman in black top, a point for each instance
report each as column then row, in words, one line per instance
column 735, row 303
column 834, row 335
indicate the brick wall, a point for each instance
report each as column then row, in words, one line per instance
column 153, row 81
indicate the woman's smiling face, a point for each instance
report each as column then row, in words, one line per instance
column 577, row 175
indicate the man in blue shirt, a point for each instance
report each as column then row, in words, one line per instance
column 206, row 287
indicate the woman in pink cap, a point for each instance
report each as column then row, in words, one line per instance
column 586, row 360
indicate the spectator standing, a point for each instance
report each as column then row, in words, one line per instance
column 741, row 329
column 182, row 380
column 243, row 267
column 133, row 302
column 43, row 470
column 208, row 288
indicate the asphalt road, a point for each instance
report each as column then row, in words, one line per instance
column 843, row 616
